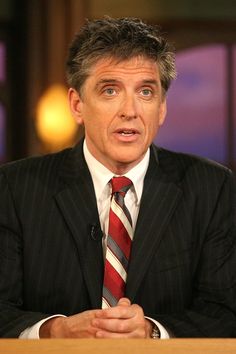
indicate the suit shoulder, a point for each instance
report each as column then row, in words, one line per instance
column 182, row 165
column 35, row 166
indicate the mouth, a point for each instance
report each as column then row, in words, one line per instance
column 124, row 135
column 127, row 132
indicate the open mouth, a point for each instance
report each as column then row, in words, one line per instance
column 127, row 135
column 127, row 132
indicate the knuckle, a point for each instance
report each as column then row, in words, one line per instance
column 122, row 327
column 138, row 309
column 140, row 333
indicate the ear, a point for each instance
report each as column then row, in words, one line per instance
column 163, row 111
column 76, row 104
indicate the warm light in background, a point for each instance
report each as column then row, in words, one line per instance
column 55, row 126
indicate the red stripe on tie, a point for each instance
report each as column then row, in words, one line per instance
column 116, row 229
column 114, row 281
column 121, row 241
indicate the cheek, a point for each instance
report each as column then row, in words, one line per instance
column 95, row 125
column 152, row 129
column 152, row 120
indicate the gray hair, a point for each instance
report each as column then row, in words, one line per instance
column 119, row 39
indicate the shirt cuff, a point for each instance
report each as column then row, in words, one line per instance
column 33, row 331
column 163, row 332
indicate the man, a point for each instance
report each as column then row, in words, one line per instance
column 54, row 210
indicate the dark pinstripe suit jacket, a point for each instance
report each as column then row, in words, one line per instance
column 182, row 270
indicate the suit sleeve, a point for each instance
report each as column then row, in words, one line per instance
column 13, row 319
column 212, row 312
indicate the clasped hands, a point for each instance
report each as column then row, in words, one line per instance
column 125, row 320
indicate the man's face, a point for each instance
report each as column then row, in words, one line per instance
column 121, row 107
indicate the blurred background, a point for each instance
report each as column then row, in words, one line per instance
column 34, row 38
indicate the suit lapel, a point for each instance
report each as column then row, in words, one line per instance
column 78, row 206
column 77, row 203
column 159, row 200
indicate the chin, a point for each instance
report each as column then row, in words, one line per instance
column 128, row 159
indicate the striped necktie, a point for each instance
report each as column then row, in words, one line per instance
column 120, row 234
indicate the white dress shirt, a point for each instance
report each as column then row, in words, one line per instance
column 101, row 177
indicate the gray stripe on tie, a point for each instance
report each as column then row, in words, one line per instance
column 109, row 297
column 119, row 199
column 117, row 252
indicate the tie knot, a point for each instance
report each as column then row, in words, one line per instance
column 120, row 184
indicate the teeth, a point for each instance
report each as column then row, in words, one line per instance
column 127, row 133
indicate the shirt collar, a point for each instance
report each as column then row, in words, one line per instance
column 101, row 175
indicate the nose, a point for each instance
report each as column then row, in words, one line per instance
column 129, row 108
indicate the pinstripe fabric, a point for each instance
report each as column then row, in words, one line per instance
column 119, row 240
column 182, row 267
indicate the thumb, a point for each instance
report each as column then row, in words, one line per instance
column 124, row 301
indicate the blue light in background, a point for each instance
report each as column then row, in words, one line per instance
column 196, row 103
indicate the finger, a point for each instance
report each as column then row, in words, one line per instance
column 125, row 320
column 107, row 334
column 109, row 313
column 104, row 334
column 124, row 301
column 133, row 324
column 123, row 311
column 114, row 325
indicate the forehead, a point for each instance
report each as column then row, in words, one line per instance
column 136, row 66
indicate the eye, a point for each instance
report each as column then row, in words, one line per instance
column 146, row 92
column 109, row 91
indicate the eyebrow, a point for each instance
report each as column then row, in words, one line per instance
column 106, row 81
column 113, row 81
column 150, row 82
